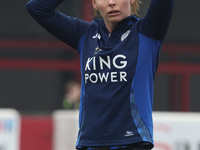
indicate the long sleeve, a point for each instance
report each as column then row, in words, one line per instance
column 156, row 22
column 66, row 28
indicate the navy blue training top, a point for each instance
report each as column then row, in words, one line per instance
column 117, row 70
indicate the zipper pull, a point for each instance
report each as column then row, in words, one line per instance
column 109, row 35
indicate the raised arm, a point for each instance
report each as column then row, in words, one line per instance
column 66, row 28
column 155, row 23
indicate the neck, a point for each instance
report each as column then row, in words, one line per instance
column 111, row 26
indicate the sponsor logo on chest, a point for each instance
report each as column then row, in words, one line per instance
column 106, row 69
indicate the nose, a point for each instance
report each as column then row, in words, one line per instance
column 112, row 3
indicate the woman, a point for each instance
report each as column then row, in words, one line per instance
column 119, row 58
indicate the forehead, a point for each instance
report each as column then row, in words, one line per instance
column 111, row 1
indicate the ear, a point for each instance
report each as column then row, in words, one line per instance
column 94, row 4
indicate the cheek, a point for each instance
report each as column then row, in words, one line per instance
column 102, row 11
column 101, row 5
column 127, row 8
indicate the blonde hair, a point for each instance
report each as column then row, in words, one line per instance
column 135, row 8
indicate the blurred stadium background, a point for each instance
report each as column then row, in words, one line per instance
column 35, row 66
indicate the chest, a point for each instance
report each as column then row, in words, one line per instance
column 110, row 58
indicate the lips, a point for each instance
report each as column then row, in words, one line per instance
column 113, row 12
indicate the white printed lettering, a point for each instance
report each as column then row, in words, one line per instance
column 110, row 66
column 113, row 76
column 103, row 77
column 123, row 76
column 86, row 77
column 107, row 63
column 124, row 63
column 93, row 79
column 87, row 64
column 94, row 64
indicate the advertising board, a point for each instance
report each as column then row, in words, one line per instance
column 176, row 131
column 9, row 129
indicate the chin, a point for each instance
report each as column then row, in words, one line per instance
column 116, row 19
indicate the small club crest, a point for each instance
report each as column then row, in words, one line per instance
column 125, row 35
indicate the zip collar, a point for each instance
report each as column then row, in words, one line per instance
column 125, row 22
column 110, row 40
